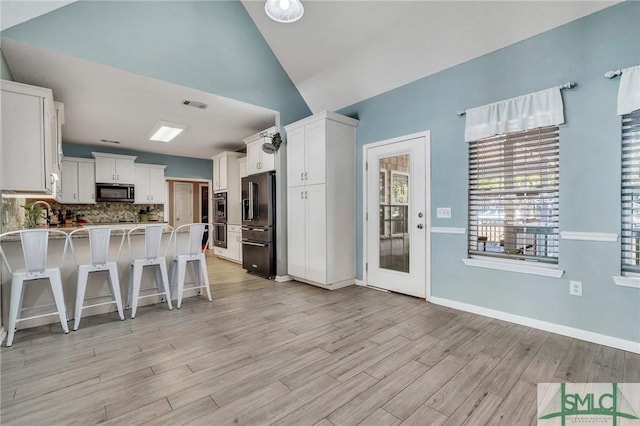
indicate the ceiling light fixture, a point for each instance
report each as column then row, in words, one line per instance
column 165, row 131
column 284, row 11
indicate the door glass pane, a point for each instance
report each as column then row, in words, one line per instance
column 394, row 213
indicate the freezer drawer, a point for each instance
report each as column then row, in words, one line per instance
column 259, row 258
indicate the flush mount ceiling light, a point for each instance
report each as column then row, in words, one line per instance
column 284, row 11
column 164, row 131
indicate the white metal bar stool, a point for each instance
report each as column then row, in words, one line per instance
column 35, row 248
column 99, row 242
column 190, row 251
column 152, row 257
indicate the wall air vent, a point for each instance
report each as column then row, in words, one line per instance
column 194, row 104
column 110, row 141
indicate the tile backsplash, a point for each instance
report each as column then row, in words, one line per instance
column 13, row 213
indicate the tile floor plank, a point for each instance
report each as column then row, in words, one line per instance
column 292, row 354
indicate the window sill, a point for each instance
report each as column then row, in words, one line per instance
column 626, row 281
column 515, row 266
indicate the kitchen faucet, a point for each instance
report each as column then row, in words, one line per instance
column 48, row 212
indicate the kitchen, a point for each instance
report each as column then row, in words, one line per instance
column 316, row 327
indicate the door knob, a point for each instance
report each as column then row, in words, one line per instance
column 420, row 226
column 420, row 214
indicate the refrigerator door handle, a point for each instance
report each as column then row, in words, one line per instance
column 249, row 243
column 252, row 199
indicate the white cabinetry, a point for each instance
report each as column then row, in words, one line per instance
column 78, row 181
column 259, row 161
column 321, row 200
column 149, row 184
column 225, row 170
column 30, row 139
column 233, row 251
column 113, row 168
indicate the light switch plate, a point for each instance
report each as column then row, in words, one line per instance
column 575, row 288
column 443, row 212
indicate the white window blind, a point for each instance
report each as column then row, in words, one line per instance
column 631, row 192
column 513, row 195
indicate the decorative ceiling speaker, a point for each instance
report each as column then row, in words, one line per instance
column 284, row 11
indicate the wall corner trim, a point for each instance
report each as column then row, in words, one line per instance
column 633, row 282
column 360, row 282
column 576, row 333
column 514, row 266
column 283, row 278
column 447, row 230
column 589, row 236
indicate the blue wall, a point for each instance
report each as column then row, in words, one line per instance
column 212, row 46
column 184, row 167
column 5, row 72
column 580, row 51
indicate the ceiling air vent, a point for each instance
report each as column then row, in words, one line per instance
column 194, row 104
column 110, row 141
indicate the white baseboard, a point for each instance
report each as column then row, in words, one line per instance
column 282, row 278
column 589, row 336
column 332, row 286
column 360, row 283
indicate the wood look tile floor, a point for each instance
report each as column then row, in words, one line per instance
column 293, row 354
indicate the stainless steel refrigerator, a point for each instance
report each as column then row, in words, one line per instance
column 259, row 224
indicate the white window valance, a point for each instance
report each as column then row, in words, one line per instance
column 525, row 112
column 629, row 90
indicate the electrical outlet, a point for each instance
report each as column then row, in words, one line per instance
column 443, row 212
column 575, row 288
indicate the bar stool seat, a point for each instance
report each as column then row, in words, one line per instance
column 152, row 258
column 35, row 248
column 193, row 253
column 99, row 242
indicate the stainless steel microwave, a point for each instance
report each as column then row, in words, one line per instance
column 112, row 192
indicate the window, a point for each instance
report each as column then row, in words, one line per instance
column 631, row 192
column 513, row 195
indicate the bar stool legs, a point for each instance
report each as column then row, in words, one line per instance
column 17, row 289
column 178, row 272
column 135, row 279
column 114, row 283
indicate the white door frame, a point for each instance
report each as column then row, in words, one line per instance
column 427, row 135
column 181, row 179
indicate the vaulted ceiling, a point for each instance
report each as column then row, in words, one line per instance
column 339, row 53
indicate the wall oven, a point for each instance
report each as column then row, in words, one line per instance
column 115, row 193
column 219, row 235
column 220, row 207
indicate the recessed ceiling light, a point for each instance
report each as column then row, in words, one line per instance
column 165, row 131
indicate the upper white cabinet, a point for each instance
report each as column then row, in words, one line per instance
column 259, row 161
column 78, row 181
column 114, row 168
column 225, row 170
column 321, row 200
column 307, row 154
column 31, row 139
column 150, row 184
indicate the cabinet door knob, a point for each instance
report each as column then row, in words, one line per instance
column 113, row 177
column 302, row 195
column 301, row 176
column 305, row 176
column 305, row 195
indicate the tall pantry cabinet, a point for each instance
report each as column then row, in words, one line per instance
column 321, row 200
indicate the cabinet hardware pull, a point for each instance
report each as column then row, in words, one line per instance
column 305, row 195
column 302, row 195
column 113, row 177
column 301, row 176
column 305, row 176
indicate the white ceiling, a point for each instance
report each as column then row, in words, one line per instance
column 342, row 52
column 108, row 103
column 339, row 53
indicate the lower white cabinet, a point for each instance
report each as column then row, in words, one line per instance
column 233, row 251
column 307, row 230
column 150, row 184
column 78, row 181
